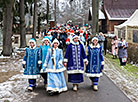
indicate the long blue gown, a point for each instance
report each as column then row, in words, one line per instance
column 54, row 67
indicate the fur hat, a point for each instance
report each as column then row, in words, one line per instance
column 46, row 38
column 94, row 38
column 74, row 36
column 72, row 32
column 33, row 40
column 55, row 40
column 81, row 32
column 49, row 33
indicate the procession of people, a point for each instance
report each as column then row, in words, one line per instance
column 64, row 49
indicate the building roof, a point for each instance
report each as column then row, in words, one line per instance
column 120, row 9
column 132, row 21
column 101, row 14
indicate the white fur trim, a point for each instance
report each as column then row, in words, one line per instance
column 45, row 39
column 75, row 71
column 41, row 71
column 93, row 75
column 55, row 41
column 98, row 46
column 75, row 36
column 67, row 42
column 53, row 70
column 49, row 33
column 24, row 62
column 75, row 43
column 81, row 33
column 44, row 65
column 31, row 76
column 102, row 62
column 33, row 47
column 85, row 60
column 57, row 89
column 32, row 41
column 65, row 60
column 39, row 62
column 94, row 38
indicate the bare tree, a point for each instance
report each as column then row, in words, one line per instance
column 22, row 25
column 95, row 16
column 47, row 15
column 55, row 11
column 7, row 30
column 35, row 16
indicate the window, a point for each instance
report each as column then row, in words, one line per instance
column 135, row 36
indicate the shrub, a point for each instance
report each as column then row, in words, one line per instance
column 132, row 53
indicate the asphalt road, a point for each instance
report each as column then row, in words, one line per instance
column 108, row 92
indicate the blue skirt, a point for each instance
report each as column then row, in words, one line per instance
column 56, row 82
column 75, row 78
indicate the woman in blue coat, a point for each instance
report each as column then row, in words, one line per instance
column 96, row 62
column 43, row 51
column 74, row 61
column 31, row 63
column 54, row 67
column 122, row 52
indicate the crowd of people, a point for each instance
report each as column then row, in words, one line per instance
column 119, row 48
column 49, row 61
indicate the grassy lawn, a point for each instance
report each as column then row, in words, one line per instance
column 132, row 70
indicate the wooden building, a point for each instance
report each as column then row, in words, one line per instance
column 118, row 11
column 129, row 29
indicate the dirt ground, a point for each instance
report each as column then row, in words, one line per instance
column 8, row 68
column 4, row 76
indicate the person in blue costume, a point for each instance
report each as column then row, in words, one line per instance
column 74, row 61
column 49, row 35
column 54, row 67
column 31, row 64
column 43, row 51
column 82, row 39
column 96, row 62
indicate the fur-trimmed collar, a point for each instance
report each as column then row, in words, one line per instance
column 33, row 47
column 92, row 46
column 47, row 44
column 75, row 43
column 56, row 48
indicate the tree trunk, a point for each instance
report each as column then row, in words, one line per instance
column 95, row 16
column 39, row 19
column 22, row 25
column 47, row 16
column 35, row 19
column 55, row 10
column 7, row 29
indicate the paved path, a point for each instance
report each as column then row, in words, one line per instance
column 108, row 92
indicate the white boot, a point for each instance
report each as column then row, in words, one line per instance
column 30, row 88
column 95, row 88
column 75, row 87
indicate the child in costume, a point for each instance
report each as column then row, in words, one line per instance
column 54, row 67
column 31, row 64
column 74, row 61
column 96, row 62
column 43, row 51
